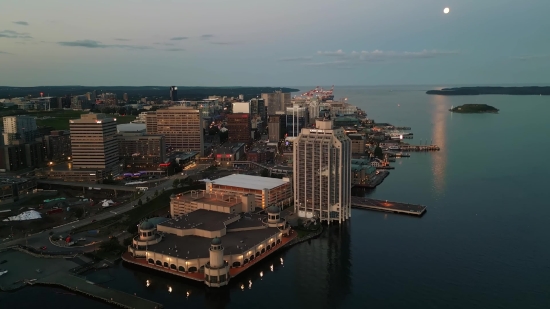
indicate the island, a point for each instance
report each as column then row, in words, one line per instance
column 531, row 90
column 474, row 109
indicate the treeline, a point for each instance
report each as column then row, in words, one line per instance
column 134, row 93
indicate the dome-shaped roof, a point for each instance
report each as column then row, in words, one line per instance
column 273, row 209
column 216, row 241
column 146, row 225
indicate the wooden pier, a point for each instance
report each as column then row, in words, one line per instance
column 387, row 206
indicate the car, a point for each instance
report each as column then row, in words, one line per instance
column 94, row 220
column 43, row 248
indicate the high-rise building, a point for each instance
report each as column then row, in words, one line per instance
column 241, row 107
column 109, row 99
column 240, row 128
column 80, row 102
column 181, row 127
column 276, row 101
column 257, row 107
column 94, row 142
column 173, row 93
column 21, row 127
column 125, row 97
column 276, row 128
column 57, row 145
column 322, row 173
column 297, row 117
column 138, row 150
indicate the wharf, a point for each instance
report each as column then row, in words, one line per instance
column 375, row 181
column 419, row 148
column 114, row 297
column 387, row 206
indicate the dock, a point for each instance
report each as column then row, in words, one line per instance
column 419, row 148
column 387, row 206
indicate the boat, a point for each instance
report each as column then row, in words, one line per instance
column 394, row 148
column 3, row 271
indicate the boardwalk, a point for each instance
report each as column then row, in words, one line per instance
column 114, row 297
column 387, row 206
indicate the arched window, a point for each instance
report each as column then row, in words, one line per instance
column 159, row 263
column 273, row 244
column 151, row 261
column 173, row 266
column 236, row 264
column 263, row 250
column 268, row 247
column 165, row 264
column 192, row 269
column 181, row 268
column 257, row 254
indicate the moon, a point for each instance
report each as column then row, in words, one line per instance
column 446, row 10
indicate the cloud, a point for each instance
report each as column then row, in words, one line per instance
column 179, row 38
column 122, row 40
column 10, row 34
column 22, row 23
column 97, row 44
column 295, row 59
column 332, row 53
column 165, row 44
column 5, row 53
column 174, row 49
column 227, row 43
column 376, row 56
column 329, row 63
column 206, row 36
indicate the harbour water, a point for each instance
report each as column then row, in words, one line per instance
column 482, row 243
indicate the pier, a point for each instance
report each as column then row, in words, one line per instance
column 387, row 206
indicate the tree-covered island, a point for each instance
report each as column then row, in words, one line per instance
column 474, row 109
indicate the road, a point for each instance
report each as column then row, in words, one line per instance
column 42, row 238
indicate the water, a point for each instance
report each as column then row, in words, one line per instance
column 482, row 244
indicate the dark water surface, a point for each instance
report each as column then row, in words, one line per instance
column 484, row 242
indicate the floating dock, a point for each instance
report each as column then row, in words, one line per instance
column 387, row 206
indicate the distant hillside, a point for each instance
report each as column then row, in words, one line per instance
column 532, row 90
column 184, row 93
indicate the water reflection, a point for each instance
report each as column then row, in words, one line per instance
column 440, row 113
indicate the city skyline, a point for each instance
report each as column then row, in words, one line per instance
column 214, row 43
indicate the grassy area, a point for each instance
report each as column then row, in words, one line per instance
column 122, row 221
column 60, row 118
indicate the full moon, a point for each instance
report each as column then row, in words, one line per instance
column 446, row 10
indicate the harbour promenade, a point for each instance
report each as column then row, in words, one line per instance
column 387, row 206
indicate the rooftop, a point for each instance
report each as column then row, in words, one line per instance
column 197, row 247
column 249, row 182
column 222, row 200
column 202, row 219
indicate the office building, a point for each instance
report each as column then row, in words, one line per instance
column 125, row 97
column 21, row 128
column 57, row 145
column 94, row 142
column 267, row 191
column 240, row 128
column 322, row 173
column 297, row 117
column 138, row 150
column 229, row 153
column 276, row 127
column 241, row 107
column 181, row 127
column 80, row 102
column 21, row 155
column 276, row 101
column 109, row 99
column 358, row 143
column 257, row 107
column 173, row 93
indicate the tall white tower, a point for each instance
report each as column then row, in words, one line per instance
column 216, row 271
column 322, row 173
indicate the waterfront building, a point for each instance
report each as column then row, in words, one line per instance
column 181, row 127
column 322, row 173
column 209, row 246
column 20, row 127
column 358, row 143
column 240, row 128
column 267, row 191
column 184, row 203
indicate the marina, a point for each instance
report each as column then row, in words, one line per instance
column 387, row 206
column 419, row 147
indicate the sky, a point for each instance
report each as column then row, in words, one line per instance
column 273, row 43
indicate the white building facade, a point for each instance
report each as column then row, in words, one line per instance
column 322, row 173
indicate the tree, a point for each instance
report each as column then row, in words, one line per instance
column 156, row 192
column 265, row 173
column 176, row 183
column 132, row 229
column 378, row 153
column 147, row 199
column 140, row 202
